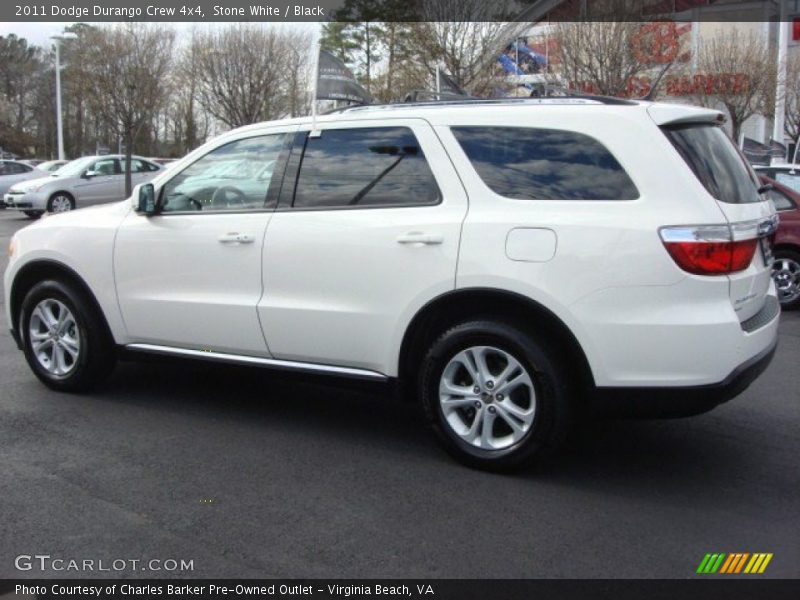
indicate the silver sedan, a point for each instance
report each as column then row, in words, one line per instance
column 82, row 182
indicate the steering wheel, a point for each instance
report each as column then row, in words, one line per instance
column 219, row 198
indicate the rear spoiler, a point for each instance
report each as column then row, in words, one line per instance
column 677, row 114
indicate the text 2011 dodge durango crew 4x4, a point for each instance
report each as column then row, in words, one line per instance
column 509, row 264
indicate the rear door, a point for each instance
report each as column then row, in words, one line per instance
column 367, row 232
column 727, row 176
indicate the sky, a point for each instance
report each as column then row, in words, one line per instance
column 39, row 33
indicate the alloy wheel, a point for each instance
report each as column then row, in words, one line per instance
column 487, row 397
column 786, row 273
column 54, row 337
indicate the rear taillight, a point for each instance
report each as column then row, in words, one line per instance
column 715, row 249
column 712, row 258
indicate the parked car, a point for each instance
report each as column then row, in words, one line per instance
column 14, row 171
column 786, row 268
column 509, row 264
column 83, row 182
column 787, row 175
column 163, row 161
column 51, row 166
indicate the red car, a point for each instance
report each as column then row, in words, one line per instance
column 786, row 270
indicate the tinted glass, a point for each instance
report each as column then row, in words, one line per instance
column 12, row 168
column 781, row 201
column 381, row 166
column 544, row 164
column 138, row 166
column 106, row 166
column 790, row 180
column 235, row 176
column 716, row 161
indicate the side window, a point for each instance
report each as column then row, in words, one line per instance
column 4, row 169
column 106, row 166
column 235, row 176
column 138, row 166
column 544, row 164
column 378, row 166
column 790, row 180
column 781, row 201
column 14, row 168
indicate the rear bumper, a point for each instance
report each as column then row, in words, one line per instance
column 672, row 402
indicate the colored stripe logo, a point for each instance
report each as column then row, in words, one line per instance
column 734, row 563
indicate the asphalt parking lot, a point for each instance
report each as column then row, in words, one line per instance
column 249, row 474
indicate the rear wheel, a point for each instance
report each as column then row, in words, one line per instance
column 60, row 202
column 495, row 396
column 65, row 341
column 33, row 214
column 786, row 273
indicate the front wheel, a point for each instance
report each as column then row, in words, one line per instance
column 65, row 340
column 33, row 214
column 786, row 273
column 60, row 202
column 495, row 396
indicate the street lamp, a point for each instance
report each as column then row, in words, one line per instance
column 59, row 125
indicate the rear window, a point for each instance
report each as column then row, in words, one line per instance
column 716, row 162
column 529, row 163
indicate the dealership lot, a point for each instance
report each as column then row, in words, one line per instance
column 252, row 474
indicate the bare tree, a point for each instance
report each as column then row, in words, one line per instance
column 126, row 72
column 792, row 99
column 243, row 74
column 465, row 38
column 739, row 73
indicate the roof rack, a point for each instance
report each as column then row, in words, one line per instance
column 569, row 98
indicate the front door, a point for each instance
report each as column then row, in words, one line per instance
column 101, row 182
column 190, row 277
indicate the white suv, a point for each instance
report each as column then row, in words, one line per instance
column 510, row 264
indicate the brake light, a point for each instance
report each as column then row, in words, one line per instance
column 712, row 258
column 712, row 249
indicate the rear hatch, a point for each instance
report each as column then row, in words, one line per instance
column 751, row 219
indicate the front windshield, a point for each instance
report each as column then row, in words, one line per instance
column 76, row 167
column 51, row 165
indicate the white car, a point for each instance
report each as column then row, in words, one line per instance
column 82, row 182
column 509, row 264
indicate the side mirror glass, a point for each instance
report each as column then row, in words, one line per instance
column 89, row 174
column 144, row 199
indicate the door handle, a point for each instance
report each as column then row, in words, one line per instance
column 236, row 238
column 417, row 237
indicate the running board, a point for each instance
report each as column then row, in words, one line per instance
column 240, row 359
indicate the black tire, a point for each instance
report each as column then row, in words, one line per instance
column 60, row 196
column 793, row 256
column 553, row 414
column 96, row 355
column 33, row 214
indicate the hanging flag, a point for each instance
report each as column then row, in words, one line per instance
column 446, row 85
column 336, row 82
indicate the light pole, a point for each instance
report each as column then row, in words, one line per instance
column 59, row 125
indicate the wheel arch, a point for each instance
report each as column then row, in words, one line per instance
column 40, row 270
column 453, row 307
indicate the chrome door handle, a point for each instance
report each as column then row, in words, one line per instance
column 236, row 238
column 416, row 237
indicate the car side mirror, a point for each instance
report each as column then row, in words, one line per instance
column 89, row 174
column 144, row 199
